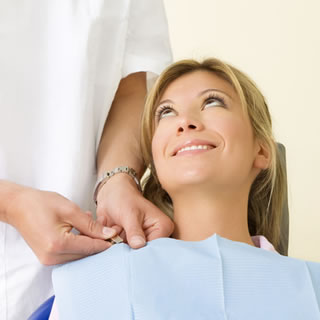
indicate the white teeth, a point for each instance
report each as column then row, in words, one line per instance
column 193, row 148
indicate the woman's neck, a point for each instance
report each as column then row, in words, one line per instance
column 199, row 214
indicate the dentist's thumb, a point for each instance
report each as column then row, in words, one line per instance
column 132, row 226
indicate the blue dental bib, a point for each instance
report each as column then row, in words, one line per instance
column 172, row 279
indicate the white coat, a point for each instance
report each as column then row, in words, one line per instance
column 60, row 66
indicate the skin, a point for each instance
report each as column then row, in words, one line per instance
column 45, row 219
column 209, row 188
column 136, row 219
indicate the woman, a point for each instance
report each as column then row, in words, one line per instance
column 240, row 145
column 214, row 168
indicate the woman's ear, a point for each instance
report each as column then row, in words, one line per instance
column 262, row 157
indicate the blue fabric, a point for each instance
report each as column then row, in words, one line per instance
column 43, row 312
column 172, row 279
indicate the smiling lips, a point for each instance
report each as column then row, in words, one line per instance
column 200, row 147
column 193, row 147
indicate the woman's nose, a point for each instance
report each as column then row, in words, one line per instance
column 188, row 124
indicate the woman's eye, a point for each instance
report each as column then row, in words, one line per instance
column 214, row 102
column 164, row 112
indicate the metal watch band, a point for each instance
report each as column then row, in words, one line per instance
column 108, row 174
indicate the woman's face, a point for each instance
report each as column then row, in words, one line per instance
column 202, row 135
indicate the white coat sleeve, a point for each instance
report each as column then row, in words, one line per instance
column 147, row 43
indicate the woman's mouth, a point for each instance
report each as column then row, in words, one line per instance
column 193, row 149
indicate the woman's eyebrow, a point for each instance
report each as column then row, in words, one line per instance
column 165, row 101
column 217, row 90
column 199, row 95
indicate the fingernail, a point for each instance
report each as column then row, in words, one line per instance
column 137, row 241
column 109, row 232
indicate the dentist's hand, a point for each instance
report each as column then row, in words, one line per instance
column 122, row 206
column 45, row 220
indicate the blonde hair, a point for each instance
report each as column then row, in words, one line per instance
column 268, row 190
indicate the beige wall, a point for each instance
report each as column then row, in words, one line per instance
column 278, row 44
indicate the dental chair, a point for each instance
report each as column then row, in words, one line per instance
column 43, row 312
column 284, row 238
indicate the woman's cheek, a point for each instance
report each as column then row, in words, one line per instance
column 231, row 127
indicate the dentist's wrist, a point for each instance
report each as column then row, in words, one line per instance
column 106, row 176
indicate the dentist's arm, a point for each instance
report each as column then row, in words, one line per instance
column 119, row 200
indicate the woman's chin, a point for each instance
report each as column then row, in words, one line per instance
column 186, row 180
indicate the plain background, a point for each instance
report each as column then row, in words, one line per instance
column 277, row 43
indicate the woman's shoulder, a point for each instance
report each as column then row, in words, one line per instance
column 263, row 243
